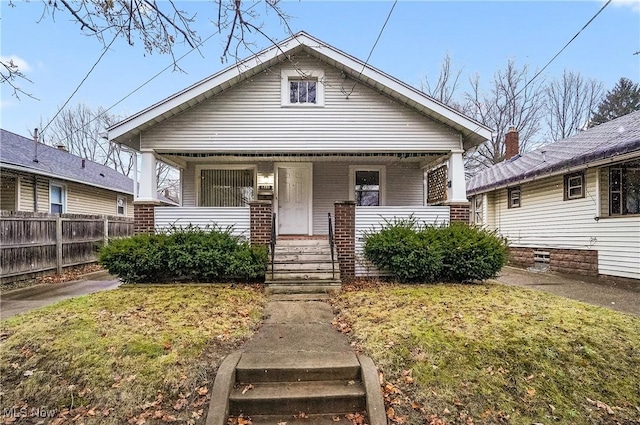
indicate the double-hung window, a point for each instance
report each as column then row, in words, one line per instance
column 57, row 198
column 574, row 186
column 478, row 207
column 121, row 205
column 232, row 186
column 367, row 185
column 624, row 189
column 513, row 197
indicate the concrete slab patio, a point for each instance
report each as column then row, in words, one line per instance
column 624, row 298
column 25, row 299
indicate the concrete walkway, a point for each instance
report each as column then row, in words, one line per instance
column 596, row 291
column 21, row 300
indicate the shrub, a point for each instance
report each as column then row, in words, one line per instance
column 184, row 254
column 457, row 253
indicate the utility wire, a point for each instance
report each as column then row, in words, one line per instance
column 81, row 83
column 563, row 48
column 374, row 46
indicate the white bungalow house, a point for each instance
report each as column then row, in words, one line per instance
column 295, row 130
column 572, row 205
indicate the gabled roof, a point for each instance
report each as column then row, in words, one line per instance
column 604, row 142
column 127, row 131
column 18, row 153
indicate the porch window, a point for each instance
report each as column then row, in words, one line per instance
column 574, row 186
column 624, row 189
column 57, row 198
column 513, row 198
column 367, row 185
column 226, row 187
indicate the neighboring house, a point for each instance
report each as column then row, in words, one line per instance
column 38, row 178
column 301, row 130
column 573, row 204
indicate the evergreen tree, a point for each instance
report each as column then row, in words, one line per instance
column 623, row 99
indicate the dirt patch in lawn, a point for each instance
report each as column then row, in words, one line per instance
column 490, row 354
column 133, row 355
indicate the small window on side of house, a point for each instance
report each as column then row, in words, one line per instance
column 478, row 209
column 57, row 198
column 574, row 186
column 121, row 205
column 513, row 197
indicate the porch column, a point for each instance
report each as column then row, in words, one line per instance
column 260, row 219
column 148, row 190
column 456, row 189
column 144, row 220
column 345, row 238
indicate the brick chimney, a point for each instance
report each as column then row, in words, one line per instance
column 511, row 143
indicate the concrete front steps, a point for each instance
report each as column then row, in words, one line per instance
column 303, row 266
column 311, row 388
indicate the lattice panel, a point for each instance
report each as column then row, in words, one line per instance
column 437, row 185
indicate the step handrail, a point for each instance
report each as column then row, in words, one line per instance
column 331, row 245
column 272, row 243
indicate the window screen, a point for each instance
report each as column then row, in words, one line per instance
column 226, row 188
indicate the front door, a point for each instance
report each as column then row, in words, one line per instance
column 294, row 199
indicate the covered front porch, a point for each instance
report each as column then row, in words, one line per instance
column 300, row 194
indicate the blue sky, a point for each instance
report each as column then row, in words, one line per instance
column 480, row 36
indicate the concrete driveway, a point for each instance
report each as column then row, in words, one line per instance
column 602, row 292
column 20, row 300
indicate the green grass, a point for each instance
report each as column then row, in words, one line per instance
column 129, row 354
column 497, row 354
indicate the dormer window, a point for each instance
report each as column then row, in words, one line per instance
column 302, row 88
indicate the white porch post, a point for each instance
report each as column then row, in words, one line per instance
column 148, row 182
column 456, row 186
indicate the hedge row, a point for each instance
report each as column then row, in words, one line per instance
column 455, row 253
column 184, row 255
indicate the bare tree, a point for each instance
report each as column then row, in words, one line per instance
column 11, row 74
column 445, row 87
column 570, row 102
column 511, row 100
column 80, row 130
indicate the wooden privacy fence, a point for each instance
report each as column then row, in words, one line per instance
column 37, row 242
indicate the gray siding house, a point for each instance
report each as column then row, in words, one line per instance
column 295, row 129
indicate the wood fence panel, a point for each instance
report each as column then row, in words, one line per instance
column 35, row 242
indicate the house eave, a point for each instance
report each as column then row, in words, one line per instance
column 565, row 167
column 127, row 131
column 55, row 176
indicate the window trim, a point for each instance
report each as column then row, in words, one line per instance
column 382, row 169
column 198, row 178
column 567, row 189
column 510, row 192
column 124, row 206
column 289, row 74
column 63, row 194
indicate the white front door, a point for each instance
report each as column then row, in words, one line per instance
column 294, row 199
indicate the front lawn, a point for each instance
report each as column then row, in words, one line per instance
column 489, row 354
column 133, row 355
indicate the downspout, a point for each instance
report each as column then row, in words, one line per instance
column 35, row 193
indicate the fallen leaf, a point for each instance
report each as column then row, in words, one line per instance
column 203, row 390
column 390, row 413
column 301, row 415
column 27, row 373
column 247, row 388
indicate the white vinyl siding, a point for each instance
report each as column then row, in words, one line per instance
column 370, row 219
column 249, row 117
column 330, row 184
column 405, row 185
column 546, row 220
column 236, row 219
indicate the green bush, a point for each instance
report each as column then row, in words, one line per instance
column 184, row 254
column 455, row 253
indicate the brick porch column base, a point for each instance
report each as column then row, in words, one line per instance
column 260, row 222
column 144, row 217
column 459, row 212
column 345, row 238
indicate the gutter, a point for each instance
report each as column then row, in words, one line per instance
column 563, row 167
